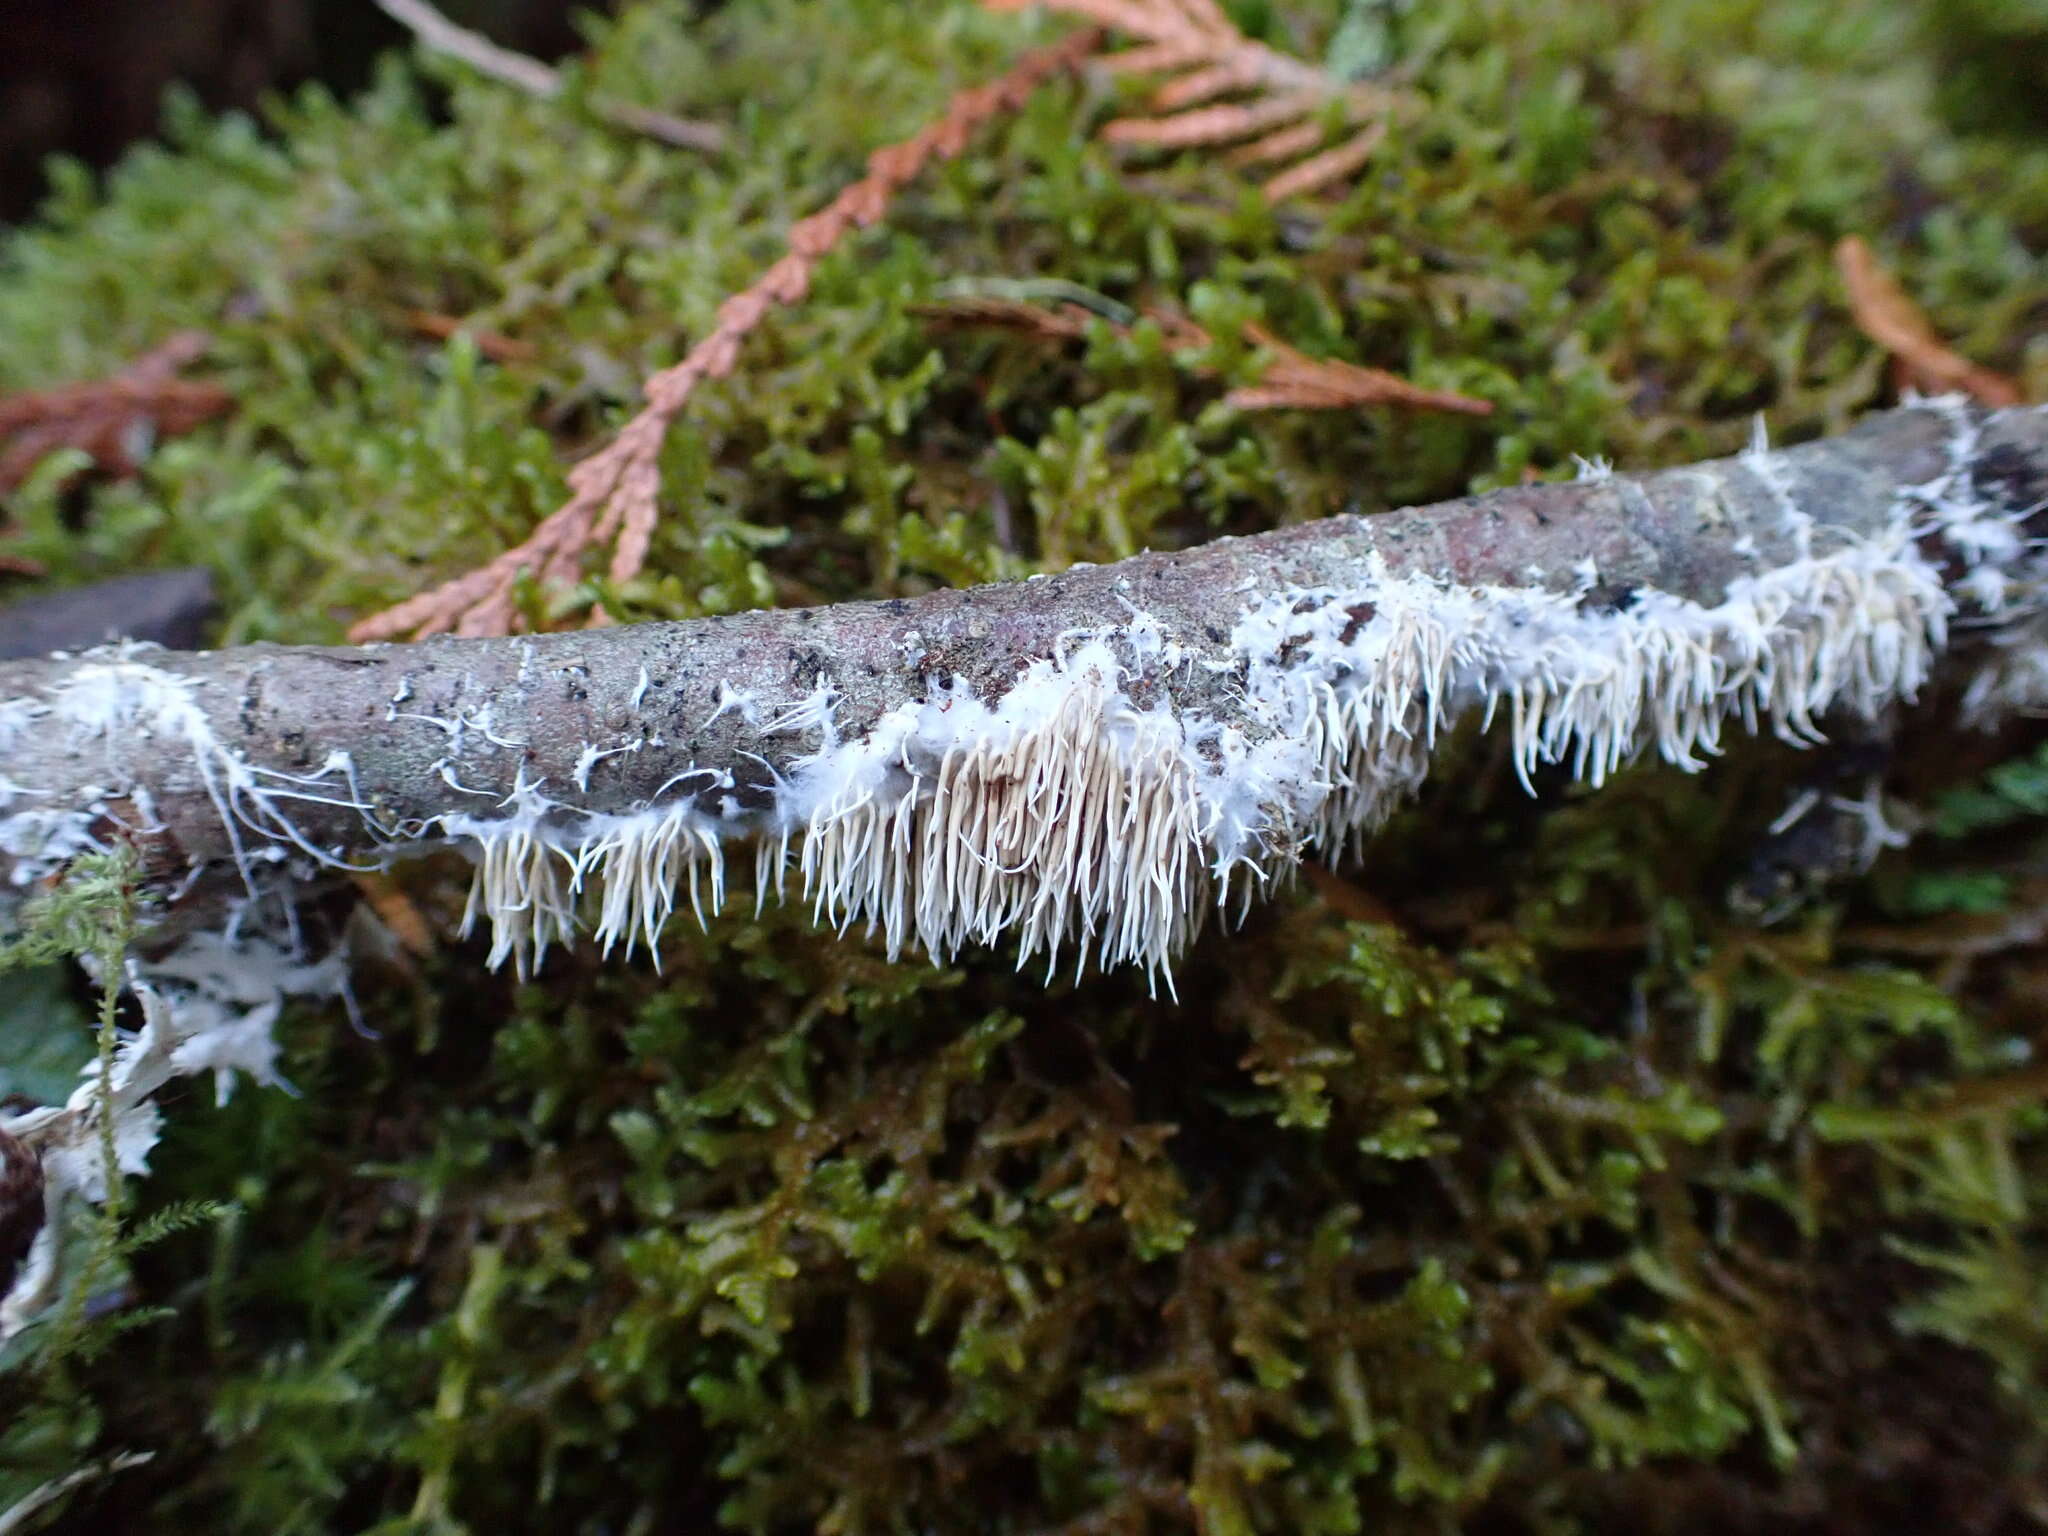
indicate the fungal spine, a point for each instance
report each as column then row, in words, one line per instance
column 1096, row 807
column 1066, row 817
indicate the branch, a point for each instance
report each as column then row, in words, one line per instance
column 1082, row 764
column 438, row 33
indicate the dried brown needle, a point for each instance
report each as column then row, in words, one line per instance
column 1888, row 316
column 1291, row 380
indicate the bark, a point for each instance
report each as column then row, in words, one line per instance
column 453, row 728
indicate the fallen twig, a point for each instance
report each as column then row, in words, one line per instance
column 1088, row 761
column 437, row 32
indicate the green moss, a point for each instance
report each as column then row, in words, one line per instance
column 1570, row 1193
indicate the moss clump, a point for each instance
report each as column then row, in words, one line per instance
column 1566, row 1196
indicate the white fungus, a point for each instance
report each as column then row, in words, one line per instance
column 1080, row 815
column 1066, row 818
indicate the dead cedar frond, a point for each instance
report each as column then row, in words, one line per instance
column 614, row 492
column 113, row 419
column 21, row 1205
column 391, row 906
column 1288, row 143
column 1227, row 89
column 1296, row 381
column 989, row 313
column 1340, row 162
column 1348, row 899
column 1292, row 381
column 1886, row 314
column 495, row 345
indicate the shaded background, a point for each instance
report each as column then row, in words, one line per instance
column 532, row 1159
column 87, row 77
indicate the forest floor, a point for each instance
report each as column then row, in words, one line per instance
column 1565, row 1163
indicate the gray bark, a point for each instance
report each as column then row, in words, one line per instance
column 488, row 714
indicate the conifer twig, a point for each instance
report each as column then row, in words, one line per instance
column 1229, row 89
column 615, row 492
column 438, row 33
column 112, row 418
column 1292, row 380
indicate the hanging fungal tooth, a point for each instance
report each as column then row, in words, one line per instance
column 1118, row 785
column 1066, row 819
column 1094, row 808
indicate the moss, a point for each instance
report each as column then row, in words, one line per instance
column 1568, row 1194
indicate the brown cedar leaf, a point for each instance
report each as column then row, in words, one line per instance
column 614, row 494
column 112, row 419
column 1890, row 318
column 495, row 345
column 387, row 899
column 1296, row 381
column 1348, row 899
column 1292, row 381
column 1205, row 84
column 21, row 1204
column 1209, row 58
column 1226, row 124
column 986, row 312
column 1287, row 143
column 1338, row 163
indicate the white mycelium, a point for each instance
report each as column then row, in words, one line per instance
column 1066, row 817
column 1062, row 813
column 1069, row 818
column 209, row 1006
column 1081, row 813
column 115, row 694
